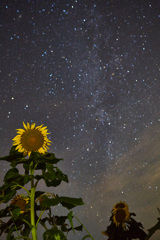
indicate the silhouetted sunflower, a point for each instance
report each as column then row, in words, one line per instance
column 120, row 205
column 20, row 201
column 31, row 139
column 120, row 216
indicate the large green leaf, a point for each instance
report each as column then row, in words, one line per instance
column 60, row 221
column 38, row 193
column 12, row 173
column 49, row 175
column 9, row 194
column 54, row 177
column 26, row 179
column 13, row 228
column 70, row 216
column 26, row 167
column 17, row 161
column 26, row 231
column 49, row 166
column 13, row 155
column 43, row 158
column 71, row 202
column 50, row 158
column 47, row 202
column 54, row 234
column 16, row 212
column 60, row 175
column 41, row 166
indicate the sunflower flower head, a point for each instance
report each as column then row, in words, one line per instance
column 31, row 139
column 120, row 205
column 20, row 201
column 120, row 214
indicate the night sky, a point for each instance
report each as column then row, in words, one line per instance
column 89, row 70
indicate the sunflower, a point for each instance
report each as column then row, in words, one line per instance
column 120, row 205
column 31, row 139
column 120, row 214
column 20, row 201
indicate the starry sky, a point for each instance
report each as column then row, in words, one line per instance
column 90, row 72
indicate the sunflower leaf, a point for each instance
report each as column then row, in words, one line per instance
column 70, row 203
column 70, row 216
column 26, row 179
column 9, row 237
column 50, row 158
column 26, row 230
column 9, row 194
column 38, row 193
column 49, row 175
column 61, row 175
column 13, row 154
column 16, row 212
column 47, row 202
column 49, row 166
column 12, row 173
column 41, row 166
column 54, row 234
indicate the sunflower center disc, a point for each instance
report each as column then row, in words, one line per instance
column 120, row 205
column 21, row 203
column 120, row 215
column 32, row 140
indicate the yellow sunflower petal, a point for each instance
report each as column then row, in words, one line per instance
column 14, row 144
column 39, row 126
column 33, row 125
column 20, row 130
column 17, row 138
column 43, row 128
column 29, row 153
column 24, row 125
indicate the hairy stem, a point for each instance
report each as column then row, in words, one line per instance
column 34, row 229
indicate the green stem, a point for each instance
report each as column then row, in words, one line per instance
column 15, row 227
column 34, row 229
column 40, row 217
column 83, row 226
column 17, row 185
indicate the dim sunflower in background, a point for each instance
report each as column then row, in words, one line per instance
column 120, row 213
column 20, row 201
column 120, row 205
column 121, row 216
column 31, row 139
column 123, row 226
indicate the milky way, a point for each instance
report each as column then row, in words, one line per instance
column 89, row 71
